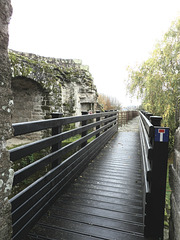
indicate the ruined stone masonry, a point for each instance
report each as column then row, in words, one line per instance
column 6, row 103
column 42, row 85
column 175, row 186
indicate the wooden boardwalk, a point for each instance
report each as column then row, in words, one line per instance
column 105, row 202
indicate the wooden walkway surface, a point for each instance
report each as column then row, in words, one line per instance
column 105, row 202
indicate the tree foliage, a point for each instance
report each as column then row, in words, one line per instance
column 109, row 103
column 156, row 80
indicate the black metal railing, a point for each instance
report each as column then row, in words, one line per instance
column 29, row 204
column 154, row 146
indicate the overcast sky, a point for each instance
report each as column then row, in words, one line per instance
column 107, row 35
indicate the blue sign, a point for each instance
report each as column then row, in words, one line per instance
column 161, row 135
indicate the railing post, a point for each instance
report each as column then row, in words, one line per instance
column 155, row 120
column 154, row 224
column 127, row 113
column 130, row 115
column 55, row 131
column 120, row 113
column 84, row 122
column 121, row 116
column 148, row 116
column 111, row 116
column 106, row 122
column 117, row 119
column 97, row 127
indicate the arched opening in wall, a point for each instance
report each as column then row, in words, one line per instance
column 31, row 103
column 30, row 100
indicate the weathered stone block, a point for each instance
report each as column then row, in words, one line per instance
column 177, row 140
column 176, row 162
column 174, row 220
column 175, row 184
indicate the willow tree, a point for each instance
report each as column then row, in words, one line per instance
column 156, row 80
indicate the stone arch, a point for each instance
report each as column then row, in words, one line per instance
column 31, row 100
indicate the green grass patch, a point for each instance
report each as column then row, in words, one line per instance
column 70, row 140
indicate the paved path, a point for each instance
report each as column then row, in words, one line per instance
column 105, row 202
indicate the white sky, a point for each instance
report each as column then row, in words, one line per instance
column 107, row 35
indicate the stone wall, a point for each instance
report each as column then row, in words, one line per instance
column 175, row 186
column 48, row 84
column 6, row 103
column 28, row 98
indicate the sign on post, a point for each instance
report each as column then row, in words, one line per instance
column 161, row 135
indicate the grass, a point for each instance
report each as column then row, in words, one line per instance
column 70, row 140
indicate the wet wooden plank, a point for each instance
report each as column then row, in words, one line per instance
column 105, row 202
column 85, row 200
column 78, row 231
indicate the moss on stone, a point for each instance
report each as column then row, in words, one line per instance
column 51, row 73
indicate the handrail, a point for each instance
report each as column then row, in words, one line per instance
column 34, row 126
column 154, row 147
column 27, row 171
column 30, row 148
column 29, row 204
column 147, row 124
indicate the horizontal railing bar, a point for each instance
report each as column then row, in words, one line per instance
column 149, row 148
column 37, row 165
column 27, row 193
column 57, row 187
column 34, row 126
column 55, row 171
column 147, row 164
column 146, row 161
column 147, row 188
column 148, row 125
column 29, row 204
column 30, row 148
